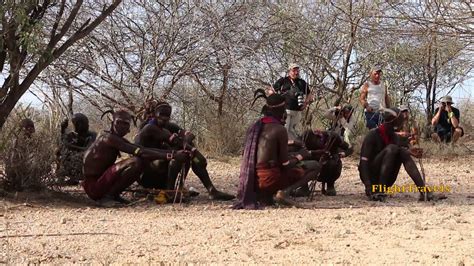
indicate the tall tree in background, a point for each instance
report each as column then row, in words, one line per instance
column 35, row 33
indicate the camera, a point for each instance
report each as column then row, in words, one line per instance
column 300, row 98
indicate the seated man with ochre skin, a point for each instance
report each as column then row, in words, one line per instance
column 382, row 155
column 158, row 132
column 328, row 148
column 105, row 180
column 267, row 172
column 74, row 144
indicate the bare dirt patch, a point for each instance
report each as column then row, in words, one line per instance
column 401, row 230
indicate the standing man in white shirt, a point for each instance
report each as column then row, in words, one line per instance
column 374, row 97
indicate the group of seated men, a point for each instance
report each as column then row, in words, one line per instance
column 273, row 167
column 161, row 150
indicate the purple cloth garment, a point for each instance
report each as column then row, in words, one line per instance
column 247, row 193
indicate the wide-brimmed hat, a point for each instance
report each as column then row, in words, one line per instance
column 447, row 99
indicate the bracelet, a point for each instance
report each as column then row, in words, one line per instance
column 172, row 137
column 137, row 150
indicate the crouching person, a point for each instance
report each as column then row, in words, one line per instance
column 382, row 155
column 328, row 148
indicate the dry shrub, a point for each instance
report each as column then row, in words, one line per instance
column 224, row 136
column 28, row 162
column 466, row 108
column 216, row 134
column 444, row 150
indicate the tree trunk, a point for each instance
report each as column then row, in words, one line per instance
column 224, row 88
column 8, row 104
column 70, row 101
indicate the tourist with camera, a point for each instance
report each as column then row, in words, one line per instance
column 297, row 95
column 446, row 122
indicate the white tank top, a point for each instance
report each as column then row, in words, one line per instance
column 376, row 96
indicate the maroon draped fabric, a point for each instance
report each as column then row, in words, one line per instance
column 383, row 132
column 247, row 193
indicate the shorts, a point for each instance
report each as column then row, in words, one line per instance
column 373, row 119
column 446, row 134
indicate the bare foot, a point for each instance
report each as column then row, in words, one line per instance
column 330, row 191
column 283, row 199
column 108, row 202
column 218, row 195
column 382, row 197
column 432, row 197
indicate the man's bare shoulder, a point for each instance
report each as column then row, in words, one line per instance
column 365, row 86
column 273, row 130
column 275, row 127
column 149, row 128
column 108, row 137
column 371, row 135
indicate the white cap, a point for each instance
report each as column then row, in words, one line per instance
column 292, row 66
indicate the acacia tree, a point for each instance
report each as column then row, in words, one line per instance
column 141, row 52
column 330, row 40
column 214, row 55
column 35, row 33
column 436, row 52
column 234, row 33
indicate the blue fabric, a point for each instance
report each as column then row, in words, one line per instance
column 443, row 133
column 373, row 119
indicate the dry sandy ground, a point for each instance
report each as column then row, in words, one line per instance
column 399, row 231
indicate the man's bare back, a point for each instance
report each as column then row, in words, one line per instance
column 273, row 144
